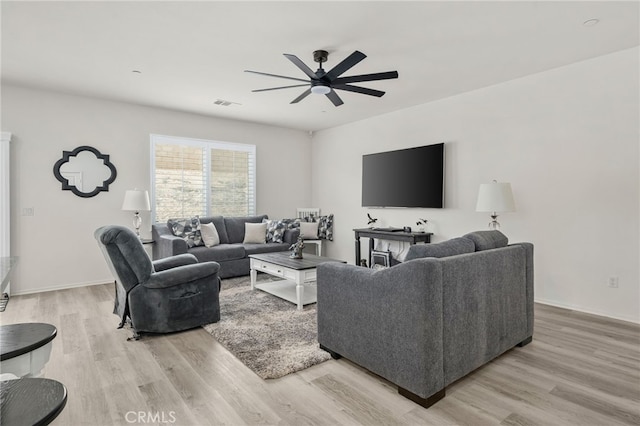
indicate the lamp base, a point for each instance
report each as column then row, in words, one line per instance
column 137, row 222
column 494, row 224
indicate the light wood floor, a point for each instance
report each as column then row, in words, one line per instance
column 580, row 369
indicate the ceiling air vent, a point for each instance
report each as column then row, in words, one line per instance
column 222, row 102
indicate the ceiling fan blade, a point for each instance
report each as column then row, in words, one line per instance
column 357, row 89
column 333, row 97
column 345, row 65
column 301, row 97
column 305, row 69
column 275, row 75
column 281, row 87
column 367, row 77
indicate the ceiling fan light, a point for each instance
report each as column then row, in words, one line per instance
column 320, row 90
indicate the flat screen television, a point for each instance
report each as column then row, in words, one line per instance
column 412, row 177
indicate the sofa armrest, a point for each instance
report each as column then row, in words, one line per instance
column 528, row 248
column 183, row 274
column 168, row 245
column 173, row 261
column 388, row 321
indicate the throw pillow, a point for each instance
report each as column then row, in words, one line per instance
column 291, row 223
column 447, row 248
column 325, row 227
column 187, row 229
column 487, row 240
column 209, row 234
column 275, row 230
column 255, row 233
column 309, row 230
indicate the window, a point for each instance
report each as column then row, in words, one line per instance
column 192, row 177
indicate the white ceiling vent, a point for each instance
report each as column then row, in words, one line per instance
column 222, row 102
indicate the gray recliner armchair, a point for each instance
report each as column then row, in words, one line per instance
column 170, row 294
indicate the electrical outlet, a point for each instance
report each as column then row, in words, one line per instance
column 613, row 282
column 27, row 211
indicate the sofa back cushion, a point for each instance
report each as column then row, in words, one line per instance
column 235, row 226
column 487, row 240
column 447, row 248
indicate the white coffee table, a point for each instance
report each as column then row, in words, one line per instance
column 299, row 275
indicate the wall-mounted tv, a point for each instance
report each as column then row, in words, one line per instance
column 412, row 177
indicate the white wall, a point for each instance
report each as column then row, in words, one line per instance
column 56, row 246
column 566, row 139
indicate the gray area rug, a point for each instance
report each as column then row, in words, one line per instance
column 269, row 335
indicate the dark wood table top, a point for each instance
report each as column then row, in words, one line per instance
column 18, row 339
column 30, row 401
column 308, row 261
column 386, row 234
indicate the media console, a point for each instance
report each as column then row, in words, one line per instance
column 393, row 235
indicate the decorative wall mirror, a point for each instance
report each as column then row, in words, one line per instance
column 85, row 171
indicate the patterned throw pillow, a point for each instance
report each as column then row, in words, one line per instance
column 310, row 218
column 325, row 227
column 275, row 230
column 290, row 223
column 188, row 230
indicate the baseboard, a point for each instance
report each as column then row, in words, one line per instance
column 586, row 311
column 62, row 287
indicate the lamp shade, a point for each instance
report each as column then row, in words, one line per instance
column 136, row 200
column 495, row 197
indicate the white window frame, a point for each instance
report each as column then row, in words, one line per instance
column 209, row 145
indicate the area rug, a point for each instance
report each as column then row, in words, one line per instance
column 269, row 335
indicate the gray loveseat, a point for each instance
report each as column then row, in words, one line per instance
column 231, row 253
column 425, row 323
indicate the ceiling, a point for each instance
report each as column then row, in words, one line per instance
column 187, row 55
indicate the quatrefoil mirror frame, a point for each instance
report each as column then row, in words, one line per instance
column 66, row 157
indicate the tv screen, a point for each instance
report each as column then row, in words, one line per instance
column 412, row 177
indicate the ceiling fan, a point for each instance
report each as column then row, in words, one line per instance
column 323, row 83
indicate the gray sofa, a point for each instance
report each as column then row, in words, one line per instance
column 231, row 253
column 425, row 323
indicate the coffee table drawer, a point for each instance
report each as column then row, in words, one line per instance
column 306, row 276
column 269, row 268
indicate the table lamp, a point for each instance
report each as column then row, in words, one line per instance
column 136, row 200
column 495, row 197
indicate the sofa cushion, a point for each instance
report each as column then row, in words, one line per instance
column 218, row 222
column 187, row 229
column 255, row 233
column 447, row 248
column 487, row 240
column 220, row 253
column 265, row 248
column 275, row 230
column 235, row 226
column 209, row 234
